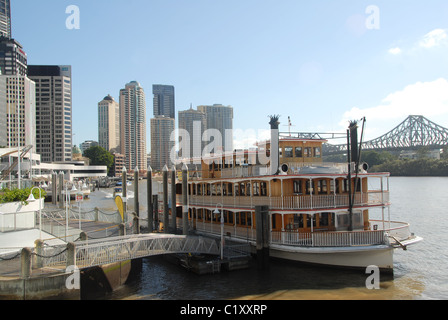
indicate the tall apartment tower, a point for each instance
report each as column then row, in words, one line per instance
column 164, row 101
column 5, row 19
column 192, row 124
column 18, row 111
column 220, row 117
column 53, row 112
column 13, row 59
column 161, row 143
column 109, row 123
column 133, row 125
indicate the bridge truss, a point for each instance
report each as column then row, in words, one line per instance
column 413, row 133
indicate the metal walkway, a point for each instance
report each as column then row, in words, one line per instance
column 93, row 253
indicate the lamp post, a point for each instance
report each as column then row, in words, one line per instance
column 216, row 212
column 32, row 199
column 67, row 204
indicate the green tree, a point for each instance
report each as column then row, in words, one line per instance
column 99, row 157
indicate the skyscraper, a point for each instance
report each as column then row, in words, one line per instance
column 161, row 143
column 13, row 60
column 193, row 122
column 133, row 125
column 5, row 18
column 18, row 123
column 109, row 123
column 164, row 101
column 53, row 112
column 220, row 117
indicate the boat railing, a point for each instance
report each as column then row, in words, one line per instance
column 329, row 239
column 398, row 230
column 302, row 239
column 296, row 202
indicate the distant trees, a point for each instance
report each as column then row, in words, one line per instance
column 387, row 162
column 99, row 157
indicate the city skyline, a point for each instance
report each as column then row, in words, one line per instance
column 322, row 63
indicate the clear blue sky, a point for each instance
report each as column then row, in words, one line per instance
column 314, row 61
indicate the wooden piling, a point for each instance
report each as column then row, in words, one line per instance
column 173, row 200
column 165, row 200
column 124, row 182
column 185, row 199
column 150, row 200
column 60, row 187
column 136, row 202
column 54, row 188
column 262, row 227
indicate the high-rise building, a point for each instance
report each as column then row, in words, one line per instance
column 13, row 59
column 192, row 124
column 133, row 125
column 164, row 101
column 161, row 143
column 18, row 117
column 54, row 125
column 220, row 117
column 5, row 18
column 109, row 123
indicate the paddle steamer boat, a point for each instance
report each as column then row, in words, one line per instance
column 319, row 213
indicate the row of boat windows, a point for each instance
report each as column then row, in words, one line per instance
column 300, row 152
column 325, row 221
column 256, row 188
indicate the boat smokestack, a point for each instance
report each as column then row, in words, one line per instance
column 354, row 141
column 275, row 159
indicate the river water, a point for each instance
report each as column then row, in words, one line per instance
column 420, row 273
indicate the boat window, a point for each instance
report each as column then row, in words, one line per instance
column 256, row 189
column 237, row 189
column 322, row 186
column 208, row 189
column 324, row 219
column 317, row 152
column 343, row 221
column 248, row 189
column 229, row 189
column 249, row 219
column 299, row 153
column 310, row 218
column 309, row 187
column 263, row 189
column 242, row 189
column 280, row 152
column 298, row 221
column 308, row 152
column 288, row 152
column 224, row 189
column 298, row 187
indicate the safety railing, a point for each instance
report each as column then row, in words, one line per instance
column 297, row 202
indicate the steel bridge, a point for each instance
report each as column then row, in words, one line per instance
column 413, row 133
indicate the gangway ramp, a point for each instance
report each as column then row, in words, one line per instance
column 93, row 253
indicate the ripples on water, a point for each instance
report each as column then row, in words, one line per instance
column 420, row 272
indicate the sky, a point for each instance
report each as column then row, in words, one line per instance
column 322, row 63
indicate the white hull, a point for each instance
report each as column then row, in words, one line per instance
column 349, row 257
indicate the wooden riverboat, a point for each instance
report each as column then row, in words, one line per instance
column 319, row 213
